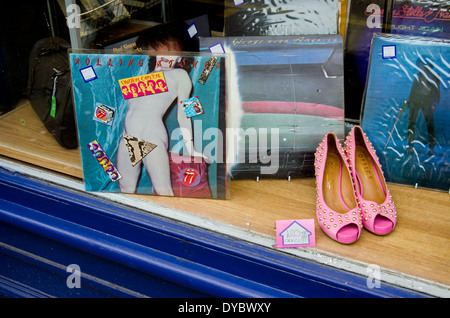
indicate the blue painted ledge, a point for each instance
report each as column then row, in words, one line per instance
column 122, row 252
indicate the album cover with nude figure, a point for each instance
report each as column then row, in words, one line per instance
column 151, row 123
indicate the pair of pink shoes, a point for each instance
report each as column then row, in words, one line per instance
column 351, row 189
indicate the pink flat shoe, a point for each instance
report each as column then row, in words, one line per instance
column 337, row 212
column 373, row 197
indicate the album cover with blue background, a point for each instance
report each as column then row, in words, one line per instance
column 151, row 123
column 406, row 108
column 365, row 17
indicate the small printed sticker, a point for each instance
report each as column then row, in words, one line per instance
column 88, row 73
column 143, row 85
column 295, row 233
column 190, row 177
column 104, row 114
column 104, row 161
column 208, row 69
column 192, row 30
column 389, row 52
column 217, row 48
column 192, row 107
column 137, row 148
column 238, row 2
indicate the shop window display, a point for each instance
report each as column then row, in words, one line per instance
column 253, row 205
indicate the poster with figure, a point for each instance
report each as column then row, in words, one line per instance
column 407, row 109
column 285, row 94
column 365, row 17
column 135, row 136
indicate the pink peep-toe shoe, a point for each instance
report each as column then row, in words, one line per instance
column 337, row 212
column 378, row 211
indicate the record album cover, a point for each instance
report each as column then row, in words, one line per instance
column 275, row 17
column 151, row 123
column 285, row 94
column 407, row 109
column 365, row 17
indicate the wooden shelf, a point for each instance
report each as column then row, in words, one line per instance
column 418, row 247
column 25, row 138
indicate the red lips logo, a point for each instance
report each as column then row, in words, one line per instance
column 101, row 114
column 190, row 177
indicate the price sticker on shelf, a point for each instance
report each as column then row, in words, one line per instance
column 295, row 233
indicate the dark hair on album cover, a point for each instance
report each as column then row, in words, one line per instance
column 163, row 34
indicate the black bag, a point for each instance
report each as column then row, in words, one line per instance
column 50, row 89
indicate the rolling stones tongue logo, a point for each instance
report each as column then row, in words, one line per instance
column 190, row 177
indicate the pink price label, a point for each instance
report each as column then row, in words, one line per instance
column 295, row 233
